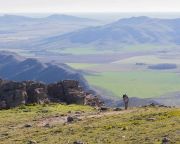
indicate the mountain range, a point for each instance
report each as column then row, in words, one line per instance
column 14, row 67
column 19, row 28
column 63, row 31
column 55, row 17
column 134, row 30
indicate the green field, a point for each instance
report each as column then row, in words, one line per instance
column 136, row 83
column 143, row 84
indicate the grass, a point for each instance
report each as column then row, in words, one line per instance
column 132, row 127
column 28, row 113
column 143, row 84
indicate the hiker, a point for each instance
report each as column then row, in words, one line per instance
column 126, row 100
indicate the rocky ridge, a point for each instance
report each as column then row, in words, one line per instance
column 13, row 94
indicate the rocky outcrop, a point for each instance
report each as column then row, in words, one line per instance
column 37, row 92
column 13, row 93
column 92, row 100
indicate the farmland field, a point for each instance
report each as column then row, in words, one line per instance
column 116, row 70
column 141, row 84
column 125, row 77
column 132, row 75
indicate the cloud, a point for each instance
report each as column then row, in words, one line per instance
column 89, row 6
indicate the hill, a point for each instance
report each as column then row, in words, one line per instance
column 48, row 124
column 5, row 19
column 14, row 67
column 16, row 29
column 134, row 30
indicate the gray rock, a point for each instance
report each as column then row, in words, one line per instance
column 70, row 119
column 117, row 109
column 27, row 125
column 151, row 119
column 3, row 105
column 104, row 108
column 165, row 140
column 78, row 142
column 31, row 142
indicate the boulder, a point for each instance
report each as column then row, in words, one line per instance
column 37, row 92
column 78, row 142
column 11, row 85
column 10, row 97
column 3, row 104
column 70, row 119
column 31, row 142
column 70, row 84
column 92, row 100
column 27, row 125
column 117, row 109
column 75, row 96
column 165, row 140
column 56, row 91
column 103, row 108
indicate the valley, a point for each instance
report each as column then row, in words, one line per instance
column 89, row 71
column 138, row 55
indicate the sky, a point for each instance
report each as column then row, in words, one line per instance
column 63, row 6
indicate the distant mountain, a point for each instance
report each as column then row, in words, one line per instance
column 20, row 28
column 55, row 17
column 14, row 67
column 5, row 19
column 68, row 18
column 135, row 30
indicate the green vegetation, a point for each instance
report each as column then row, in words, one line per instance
column 28, row 113
column 138, row 125
column 142, row 84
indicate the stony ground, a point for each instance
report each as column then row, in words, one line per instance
column 47, row 124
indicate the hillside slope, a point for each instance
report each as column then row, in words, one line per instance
column 14, row 67
column 135, row 30
column 47, row 124
column 16, row 29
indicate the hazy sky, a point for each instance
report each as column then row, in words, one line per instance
column 61, row 6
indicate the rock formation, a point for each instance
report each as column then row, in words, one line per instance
column 13, row 93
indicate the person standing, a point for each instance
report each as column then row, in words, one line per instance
column 126, row 101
